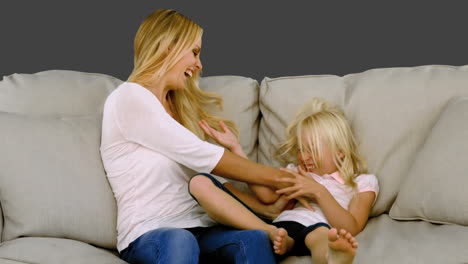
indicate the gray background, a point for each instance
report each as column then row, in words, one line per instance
column 251, row 38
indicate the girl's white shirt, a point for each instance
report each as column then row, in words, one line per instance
column 149, row 159
column 338, row 189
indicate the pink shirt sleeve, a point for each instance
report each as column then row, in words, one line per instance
column 142, row 119
column 367, row 183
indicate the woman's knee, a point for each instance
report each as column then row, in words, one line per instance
column 254, row 246
column 258, row 236
column 199, row 184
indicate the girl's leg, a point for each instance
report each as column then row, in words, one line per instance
column 329, row 246
column 226, row 210
column 317, row 242
column 221, row 244
column 163, row 245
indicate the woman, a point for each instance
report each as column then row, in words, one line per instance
column 152, row 145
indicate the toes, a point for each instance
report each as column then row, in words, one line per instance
column 348, row 236
column 343, row 232
column 332, row 234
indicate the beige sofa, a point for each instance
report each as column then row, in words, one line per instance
column 411, row 123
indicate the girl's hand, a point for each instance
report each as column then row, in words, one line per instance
column 303, row 186
column 226, row 138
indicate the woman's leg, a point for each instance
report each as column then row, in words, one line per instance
column 226, row 210
column 221, row 244
column 163, row 245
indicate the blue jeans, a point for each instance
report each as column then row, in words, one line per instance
column 215, row 244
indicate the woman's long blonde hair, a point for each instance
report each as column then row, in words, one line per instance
column 319, row 120
column 161, row 41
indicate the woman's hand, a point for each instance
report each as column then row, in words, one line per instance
column 226, row 138
column 303, row 186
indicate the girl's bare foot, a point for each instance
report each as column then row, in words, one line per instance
column 281, row 241
column 342, row 246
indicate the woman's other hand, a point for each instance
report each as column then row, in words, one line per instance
column 225, row 138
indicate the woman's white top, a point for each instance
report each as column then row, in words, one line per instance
column 338, row 189
column 149, row 158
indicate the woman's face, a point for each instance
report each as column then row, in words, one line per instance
column 185, row 68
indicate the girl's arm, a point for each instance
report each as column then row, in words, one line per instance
column 353, row 220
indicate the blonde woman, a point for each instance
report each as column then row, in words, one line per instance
column 152, row 145
column 328, row 171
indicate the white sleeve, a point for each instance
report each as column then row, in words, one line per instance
column 142, row 119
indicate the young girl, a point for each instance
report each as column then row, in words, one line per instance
column 330, row 173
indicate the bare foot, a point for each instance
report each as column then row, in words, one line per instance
column 342, row 246
column 281, row 241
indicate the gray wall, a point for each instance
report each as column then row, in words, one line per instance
column 252, row 38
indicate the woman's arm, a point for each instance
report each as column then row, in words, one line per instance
column 269, row 211
column 228, row 140
column 353, row 220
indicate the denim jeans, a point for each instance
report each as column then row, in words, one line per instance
column 215, row 244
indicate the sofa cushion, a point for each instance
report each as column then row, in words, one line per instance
column 55, row 251
column 55, row 92
column 9, row 261
column 1, row 222
column 390, row 110
column 435, row 189
column 385, row 240
column 240, row 96
column 280, row 98
column 52, row 182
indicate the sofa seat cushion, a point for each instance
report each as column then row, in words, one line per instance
column 385, row 240
column 10, row 261
column 55, row 251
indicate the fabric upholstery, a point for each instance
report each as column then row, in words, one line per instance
column 435, row 189
column 243, row 110
column 55, row 251
column 52, row 182
column 240, row 97
column 391, row 111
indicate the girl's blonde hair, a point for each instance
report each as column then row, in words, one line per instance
column 161, row 41
column 319, row 120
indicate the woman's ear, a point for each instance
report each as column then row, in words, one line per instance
column 341, row 155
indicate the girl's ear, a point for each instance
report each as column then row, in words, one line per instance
column 341, row 155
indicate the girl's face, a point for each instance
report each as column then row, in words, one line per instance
column 185, row 68
column 306, row 160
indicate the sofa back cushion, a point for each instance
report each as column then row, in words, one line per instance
column 391, row 111
column 435, row 189
column 52, row 182
column 240, row 97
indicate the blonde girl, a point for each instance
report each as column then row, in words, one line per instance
column 331, row 174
